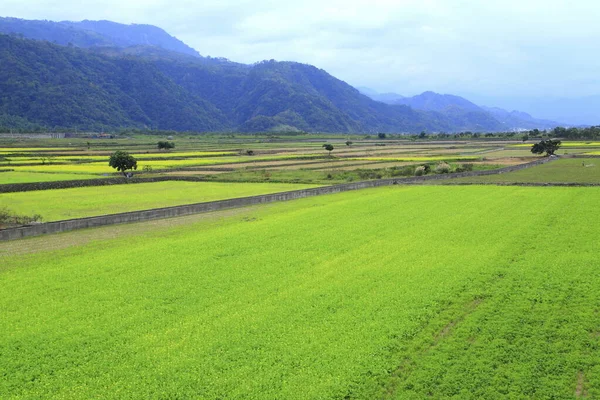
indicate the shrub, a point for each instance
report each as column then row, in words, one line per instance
column 368, row 174
column 406, row 170
column 442, row 168
column 9, row 218
column 420, row 171
column 464, row 168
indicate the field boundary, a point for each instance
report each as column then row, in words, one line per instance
column 175, row 211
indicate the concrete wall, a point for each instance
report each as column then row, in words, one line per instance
column 167, row 212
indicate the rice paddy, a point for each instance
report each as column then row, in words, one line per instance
column 60, row 204
column 570, row 170
column 393, row 293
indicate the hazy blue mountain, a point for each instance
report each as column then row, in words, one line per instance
column 94, row 34
column 520, row 119
column 389, row 98
column 122, row 35
column 568, row 111
column 54, row 32
column 432, row 101
column 452, row 105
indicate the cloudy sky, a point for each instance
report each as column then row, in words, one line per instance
column 477, row 48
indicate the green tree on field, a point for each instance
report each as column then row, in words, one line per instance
column 546, row 146
column 122, row 161
column 381, row 135
column 329, row 148
column 348, row 143
column 525, row 137
column 164, row 145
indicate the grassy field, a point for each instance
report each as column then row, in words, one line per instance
column 399, row 293
column 59, row 204
column 568, row 170
column 27, row 177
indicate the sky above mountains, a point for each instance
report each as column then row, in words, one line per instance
column 502, row 49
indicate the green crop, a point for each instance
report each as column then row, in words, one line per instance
column 399, row 292
column 90, row 201
column 568, row 170
column 26, row 177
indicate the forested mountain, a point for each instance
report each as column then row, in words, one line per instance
column 100, row 75
column 57, row 86
column 96, row 88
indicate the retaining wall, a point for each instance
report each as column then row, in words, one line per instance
column 167, row 212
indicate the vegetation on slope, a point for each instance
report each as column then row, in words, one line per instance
column 47, row 85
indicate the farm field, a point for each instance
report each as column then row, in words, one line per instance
column 28, row 177
column 567, row 170
column 380, row 293
column 208, row 158
column 60, row 204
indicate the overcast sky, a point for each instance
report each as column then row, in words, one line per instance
column 526, row 48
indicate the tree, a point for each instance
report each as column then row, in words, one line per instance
column 348, row 143
column 164, row 145
column 381, row 135
column 329, row 148
column 546, row 146
column 525, row 137
column 122, row 161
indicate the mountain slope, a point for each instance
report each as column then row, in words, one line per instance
column 122, row 35
column 438, row 102
column 107, row 87
column 67, row 87
column 94, row 33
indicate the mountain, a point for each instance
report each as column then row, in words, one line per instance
column 102, row 75
column 56, row 86
column 574, row 111
column 94, row 33
column 520, row 119
column 389, row 98
column 438, row 102
column 121, row 35
column 451, row 105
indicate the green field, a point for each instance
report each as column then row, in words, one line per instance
column 398, row 292
column 28, row 177
column 59, row 204
column 567, row 170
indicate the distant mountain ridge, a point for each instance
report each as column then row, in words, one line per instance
column 451, row 104
column 105, row 75
column 94, row 34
